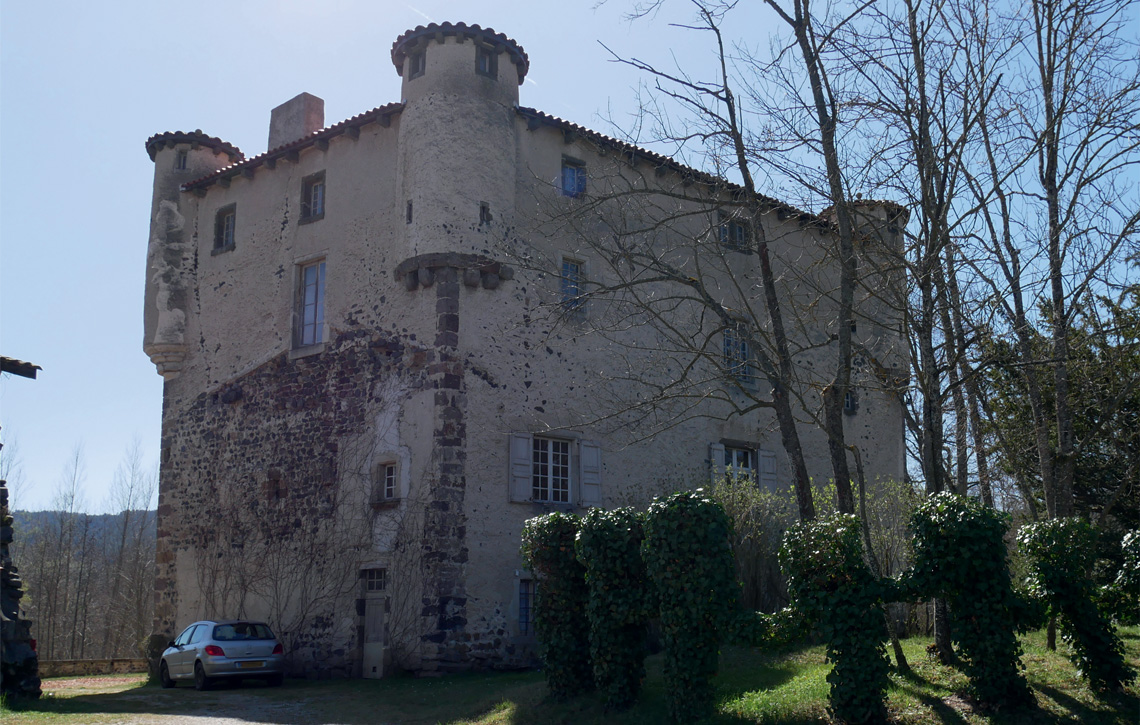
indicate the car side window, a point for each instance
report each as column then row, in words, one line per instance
column 199, row 634
column 184, row 638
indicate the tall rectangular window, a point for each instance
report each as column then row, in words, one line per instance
column 180, row 159
column 550, row 470
column 313, row 197
column 225, row 225
column 573, row 178
column 526, row 603
column 737, row 355
column 571, row 285
column 417, row 62
column 311, row 304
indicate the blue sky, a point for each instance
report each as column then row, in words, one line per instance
column 82, row 86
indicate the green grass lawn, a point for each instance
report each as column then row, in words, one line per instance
column 753, row 687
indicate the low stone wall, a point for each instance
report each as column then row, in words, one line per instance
column 71, row 668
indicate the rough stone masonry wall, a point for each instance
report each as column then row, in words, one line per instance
column 18, row 661
column 270, row 457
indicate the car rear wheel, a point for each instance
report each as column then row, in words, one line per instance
column 164, row 675
column 276, row 680
column 201, row 682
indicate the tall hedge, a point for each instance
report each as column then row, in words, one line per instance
column 560, row 605
column 689, row 560
column 609, row 546
column 1061, row 554
column 834, row 590
column 1122, row 597
column 960, row 555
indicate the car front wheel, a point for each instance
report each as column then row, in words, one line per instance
column 201, row 682
column 164, row 675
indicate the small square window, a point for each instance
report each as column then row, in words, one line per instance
column 572, row 299
column 573, row 178
column 417, row 62
column 310, row 305
column 550, row 470
column 735, row 234
column 225, row 224
column 738, row 354
column 313, row 197
column 486, row 61
column 374, row 580
column 180, row 159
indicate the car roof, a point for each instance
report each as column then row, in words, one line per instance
column 227, row 621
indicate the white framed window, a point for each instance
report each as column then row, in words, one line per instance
column 373, row 581
column 740, row 462
column 571, row 285
column 743, row 461
column 573, row 178
column 555, row 470
column 225, row 228
column 310, row 310
column 385, row 483
column 313, row 197
column 737, row 354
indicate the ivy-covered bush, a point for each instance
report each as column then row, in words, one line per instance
column 689, row 560
column 609, row 546
column 1061, row 555
column 834, row 590
column 560, row 605
column 1121, row 598
column 959, row 554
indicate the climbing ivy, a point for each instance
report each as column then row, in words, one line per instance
column 689, row 560
column 1122, row 597
column 833, row 589
column 1061, row 554
column 560, row 606
column 959, row 554
column 609, row 546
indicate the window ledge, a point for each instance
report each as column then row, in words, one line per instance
column 221, row 250
column 310, row 219
column 307, row 350
column 385, row 503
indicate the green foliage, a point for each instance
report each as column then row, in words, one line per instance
column 1122, row 597
column 832, row 587
column 759, row 519
column 959, row 554
column 689, row 560
column 609, row 545
column 560, row 605
column 1061, row 556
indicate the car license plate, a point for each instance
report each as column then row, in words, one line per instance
column 250, row 665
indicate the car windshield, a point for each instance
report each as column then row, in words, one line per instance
column 241, row 631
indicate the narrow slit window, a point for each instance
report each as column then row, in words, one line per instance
column 311, row 304
column 181, row 159
column 225, row 227
column 571, row 284
column 313, row 197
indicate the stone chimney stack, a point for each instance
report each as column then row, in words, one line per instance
column 295, row 119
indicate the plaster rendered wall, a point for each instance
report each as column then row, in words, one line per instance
column 433, row 377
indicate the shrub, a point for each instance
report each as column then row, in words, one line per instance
column 609, row 546
column 1061, row 554
column 1121, row 598
column 833, row 589
column 560, row 605
column 759, row 520
column 689, row 561
column 959, row 554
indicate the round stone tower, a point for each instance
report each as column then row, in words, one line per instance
column 178, row 158
column 458, row 158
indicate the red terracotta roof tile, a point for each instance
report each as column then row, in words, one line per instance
column 441, row 30
column 159, row 140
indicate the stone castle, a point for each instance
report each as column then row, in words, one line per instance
column 381, row 356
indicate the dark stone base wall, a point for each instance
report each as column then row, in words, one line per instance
column 19, row 663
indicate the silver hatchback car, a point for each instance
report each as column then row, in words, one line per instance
column 233, row 649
